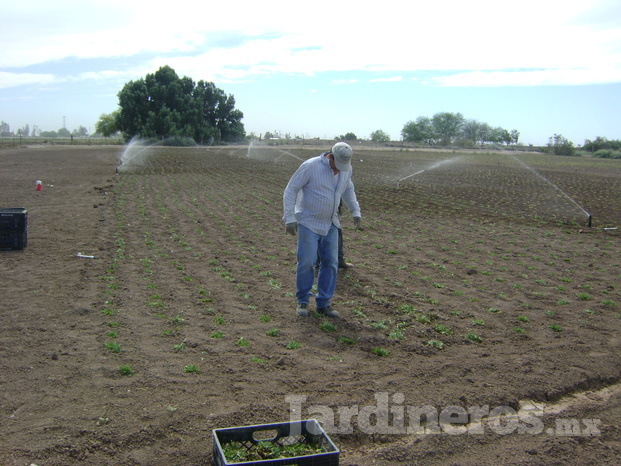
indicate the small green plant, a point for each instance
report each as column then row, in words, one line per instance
column 179, row 347
column 523, row 319
column 478, row 322
column 265, row 318
column 518, row 330
column 293, row 345
column 217, row 334
column 437, row 344
column 242, row 342
column 423, row 318
column 258, row 360
column 556, row 328
column 584, row 296
column 126, row 370
column 381, row 352
column 191, row 369
column 273, row 332
column 396, row 334
column 327, row 327
column 113, row 346
column 442, row 329
column 346, row 340
column 406, row 309
column 473, row 337
column 381, row 325
column 177, row 320
column 109, row 311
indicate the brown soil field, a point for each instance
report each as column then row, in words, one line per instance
column 477, row 288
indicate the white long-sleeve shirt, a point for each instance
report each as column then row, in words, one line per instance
column 313, row 195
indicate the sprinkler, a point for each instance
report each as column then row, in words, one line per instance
column 589, row 216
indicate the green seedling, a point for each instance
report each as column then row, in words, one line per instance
column 556, row 328
column 396, row 334
column 217, row 335
column 126, row 370
column 273, row 332
column 242, row 342
column 177, row 320
column 293, row 345
column 584, row 296
column 442, row 329
column 179, row 347
column 346, row 340
column 327, row 327
column 381, row 352
column 473, row 337
column 191, row 369
column 437, row 344
column 113, row 346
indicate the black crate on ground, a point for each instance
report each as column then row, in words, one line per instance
column 13, row 219
column 13, row 228
column 11, row 241
column 282, row 434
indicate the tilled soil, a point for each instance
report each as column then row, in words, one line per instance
column 463, row 299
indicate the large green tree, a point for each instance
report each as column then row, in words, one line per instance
column 420, row 130
column 163, row 105
column 447, row 126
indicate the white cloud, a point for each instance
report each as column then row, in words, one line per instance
column 530, row 78
column 8, row 80
column 387, row 80
column 480, row 40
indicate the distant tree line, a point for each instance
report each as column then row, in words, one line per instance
column 163, row 106
column 604, row 148
column 446, row 128
column 26, row 131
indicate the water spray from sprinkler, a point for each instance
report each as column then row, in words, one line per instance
column 589, row 216
column 435, row 165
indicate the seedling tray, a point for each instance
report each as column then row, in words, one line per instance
column 281, row 435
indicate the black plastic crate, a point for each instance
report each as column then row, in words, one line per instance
column 282, row 434
column 13, row 240
column 13, row 219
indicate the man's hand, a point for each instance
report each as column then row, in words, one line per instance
column 358, row 223
column 292, row 228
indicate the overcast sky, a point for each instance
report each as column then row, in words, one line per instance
column 325, row 68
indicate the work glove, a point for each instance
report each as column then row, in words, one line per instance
column 358, row 223
column 292, row 228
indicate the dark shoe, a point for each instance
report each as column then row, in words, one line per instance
column 328, row 312
column 302, row 310
column 345, row 265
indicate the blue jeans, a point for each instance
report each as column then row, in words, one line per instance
column 310, row 246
